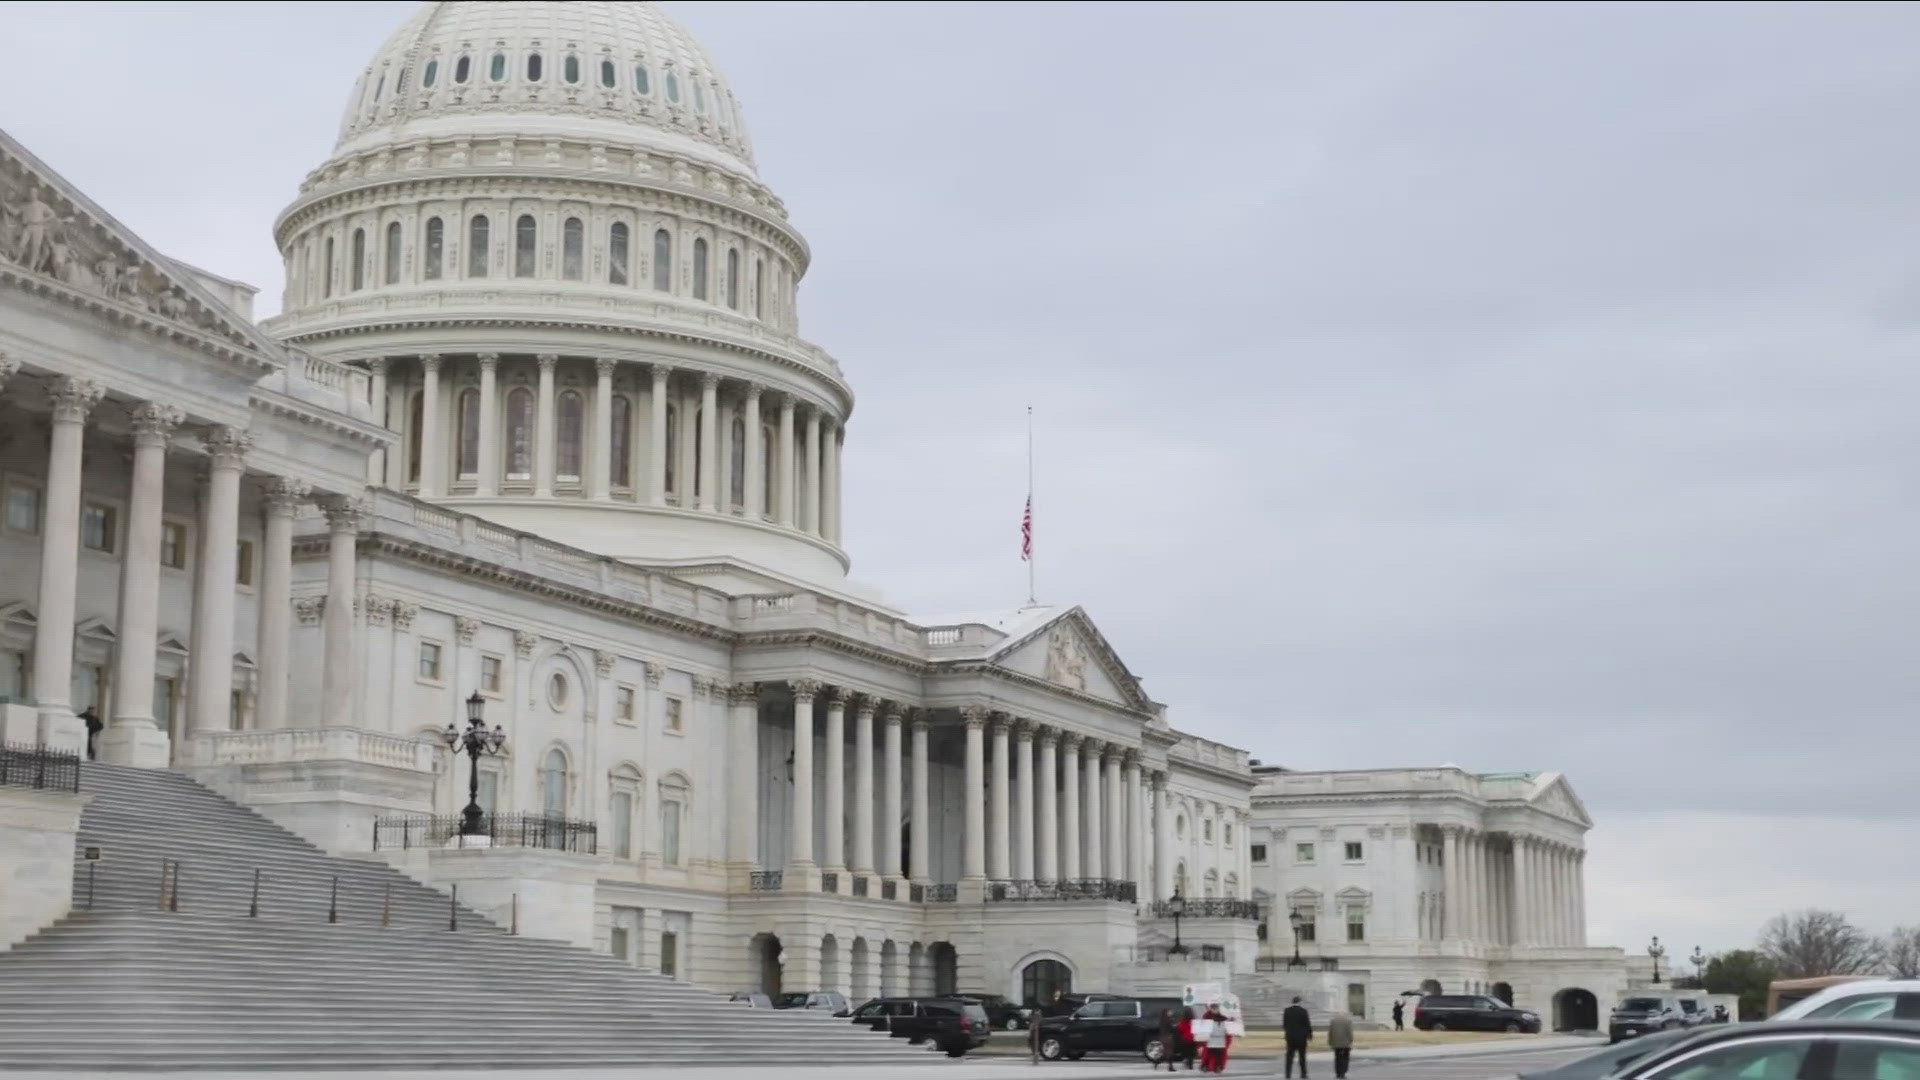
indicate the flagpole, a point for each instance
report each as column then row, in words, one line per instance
column 1031, row 592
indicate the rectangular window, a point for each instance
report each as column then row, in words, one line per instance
column 14, row 669
column 1309, row 929
column 621, row 811
column 623, row 703
column 99, row 527
column 617, row 943
column 1356, row 924
column 489, row 791
column 237, row 710
column 669, row 953
column 1303, row 852
column 490, row 674
column 1355, row 850
column 243, row 564
column 90, row 688
column 23, row 508
column 670, row 832
column 164, row 689
column 675, row 716
column 430, row 661
column 173, row 545
column 1258, row 852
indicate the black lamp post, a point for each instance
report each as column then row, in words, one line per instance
column 1656, row 950
column 1699, row 966
column 1177, row 906
column 1294, row 917
column 475, row 741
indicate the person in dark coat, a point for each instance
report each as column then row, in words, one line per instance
column 94, row 727
column 1169, row 1040
column 1340, row 1041
column 1297, row 1026
column 1399, row 1014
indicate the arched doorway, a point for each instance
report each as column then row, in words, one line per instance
column 1575, row 1009
column 862, row 970
column 1503, row 991
column 946, row 968
column 917, row 970
column 766, row 961
column 1043, row 981
column 889, row 970
column 830, row 963
column 1430, row 986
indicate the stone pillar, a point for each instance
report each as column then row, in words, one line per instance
column 863, row 788
column 709, row 452
column 1093, row 835
column 601, row 471
column 1162, row 847
column 543, row 417
column 487, row 478
column 999, row 778
column 810, row 502
column 1136, row 827
column 1580, row 898
column 783, row 487
column 134, row 738
column 1071, row 866
column 920, row 835
column 432, row 459
column 1562, row 897
column 72, row 400
column 377, row 403
column 744, row 827
column 830, row 482
column 283, row 498
column 337, row 671
column 1116, row 817
column 210, row 676
column 1450, row 865
column 1046, row 822
column 973, row 865
column 890, row 797
column 800, row 819
column 657, row 450
column 1023, row 830
column 834, row 825
column 756, row 478
column 1522, row 890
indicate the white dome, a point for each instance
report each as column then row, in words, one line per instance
column 620, row 73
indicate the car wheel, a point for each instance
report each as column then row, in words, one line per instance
column 1013, row 1023
column 1154, row 1051
column 1051, row 1050
column 957, row 1051
column 1436, row 1026
column 916, row 1040
column 1513, row 1027
column 1076, row 1055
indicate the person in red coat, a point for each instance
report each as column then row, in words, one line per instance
column 1213, row 1056
column 1186, row 1038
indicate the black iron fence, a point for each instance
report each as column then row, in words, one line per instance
column 1085, row 889
column 1214, row 908
column 39, row 767
column 500, row 830
column 1160, row 954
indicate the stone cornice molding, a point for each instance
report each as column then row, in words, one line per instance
column 343, row 514
column 744, row 693
column 286, row 407
column 837, row 697
column 1033, row 682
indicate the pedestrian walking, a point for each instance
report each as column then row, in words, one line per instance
column 1297, row 1026
column 1340, row 1041
column 1184, row 1035
column 1399, row 1014
column 1169, row 1040
column 1213, row 1058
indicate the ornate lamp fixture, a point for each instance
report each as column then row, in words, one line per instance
column 474, row 742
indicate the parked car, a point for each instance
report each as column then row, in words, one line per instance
column 1471, row 1012
column 1065, row 1004
column 1693, row 1012
column 831, row 1002
column 753, row 1000
column 1003, row 1014
column 1127, row 1024
column 1643, row 1013
column 952, row 1025
column 1787, row 1050
column 1867, row 999
column 1603, row 1063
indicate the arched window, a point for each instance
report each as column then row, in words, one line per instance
column 733, row 279
column 606, row 74
column 392, row 268
column 570, row 69
column 326, row 275
column 662, row 260
column 519, row 446
column 432, row 72
column 624, row 784
column 673, row 88
column 641, row 83
column 571, row 435
column 617, row 253
column 477, row 240
column 497, row 67
column 573, row 249
column 414, row 420
column 1181, row 886
column 619, row 447
column 380, row 87
column 533, row 67
column 359, row 259
column 673, row 809
column 526, row 238
column 759, row 290
column 469, row 465
column 462, row 68
column 435, row 245
column 1210, row 886
column 699, row 98
column 700, row 268
column 553, row 783
column 673, row 445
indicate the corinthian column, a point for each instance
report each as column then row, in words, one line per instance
column 543, row 428
column 744, row 828
column 210, row 678
column 890, row 797
column 830, row 482
column 432, row 460
column 1162, row 862
column 657, row 438
column 756, row 480
column 338, row 670
column 810, row 503
column 1046, row 822
column 973, row 866
column 487, row 478
column 1450, row 874
column 863, row 787
column 999, row 777
column 72, row 400
column 1116, row 817
column 1023, row 829
column 134, row 738
column 800, row 820
column 377, row 403
column 783, row 465
column 920, row 834
column 710, row 442
column 1070, row 864
column 1094, row 832
column 283, row 498
column 836, row 783
column 602, row 469
column 1136, row 829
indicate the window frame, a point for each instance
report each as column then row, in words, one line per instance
column 39, row 494
column 184, row 548
column 1306, row 852
column 498, row 687
column 626, row 704
column 112, row 511
column 420, row 675
column 673, row 715
column 1354, row 851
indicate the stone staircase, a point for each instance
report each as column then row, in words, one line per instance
column 129, row 984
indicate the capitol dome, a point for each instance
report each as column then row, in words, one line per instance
column 542, row 232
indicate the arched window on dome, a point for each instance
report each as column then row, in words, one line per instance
column 435, row 243
column 606, row 74
column 430, row 74
column 768, row 479
column 673, row 87
column 759, row 289
column 462, row 68
column 662, row 259
column 672, row 464
column 379, row 87
column 570, row 69
column 534, row 69
column 699, row 98
column 414, row 423
column 737, row 465
column 478, row 231
column 619, row 442
column 733, row 279
column 391, row 271
column 526, row 238
column 468, row 465
column 617, row 254
column 359, row 272
column 700, row 268
column 573, row 249
column 326, row 271
column 642, row 81
column 571, row 436
column 497, row 67
column 519, row 448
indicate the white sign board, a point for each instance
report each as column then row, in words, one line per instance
column 1213, row 995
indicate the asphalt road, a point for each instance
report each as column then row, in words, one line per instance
column 1494, row 1065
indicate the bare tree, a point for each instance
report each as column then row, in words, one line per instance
column 1803, row 944
column 1901, row 952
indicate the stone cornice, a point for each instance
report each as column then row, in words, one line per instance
column 1032, row 682
column 286, row 407
column 137, row 317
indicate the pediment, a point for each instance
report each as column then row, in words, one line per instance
column 1555, row 796
column 17, row 612
column 1070, row 652
column 95, row 628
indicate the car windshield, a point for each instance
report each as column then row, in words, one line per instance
column 1640, row 1005
column 790, row 1000
column 975, row 1013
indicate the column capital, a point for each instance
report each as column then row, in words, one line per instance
column 1048, row 736
column 603, row 661
column 1070, row 741
column 227, row 446
column 805, row 690
column 489, row 361
column 524, row 642
column 1130, row 759
column 753, row 392
column 709, row 380
column 974, row 716
column 284, row 495
column 837, row 696
column 1024, row 729
column 605, row 367
column 429, row 362
column 744, row 693
column 466, row 627
column 917, row 718
column 547, row 361
column 403, row 613
column 653, row 672
column 892, row 712
column 377, row 365
column 1000, row 722
column 74, row 398
column 867, row 706
column 153, row 423
column 344, row 515
column 661, row 373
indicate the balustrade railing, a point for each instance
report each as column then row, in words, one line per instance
column 934, row 894
column 860, row 886
column 39, row 767
column 889, row 890
column 500, row 830
column 830, row 882
column 1213, row 908
column 1084, row 889
column 766, row 880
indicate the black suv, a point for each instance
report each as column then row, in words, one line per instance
column 954, row 1025
column 1471, row 1012
column 1111, row 1023
column 1004, row 1015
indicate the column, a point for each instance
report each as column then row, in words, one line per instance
column 999, row 777
column 709, row 451
column 800, row 818
column 432, row 457
column 1162, row 847
column 890, row 794
column 1023, row 829
column 72, row 400
column 337, row 670
column 810, row 499
column 210, row 676
column 283, row 498
column 1093, row 866
column 863, row 789
column 919, row 836
column 1071, row 868
column 1562, row 898
column 394, row 408
column 377, row 403
column 1046, row 822
column 830, row 482
column 1136, row 827
column 834, row 827
column 744, row 829
column 1580, row 898
column 783, row 492
column 657, row 450
column 487, row 481
column 1522, row 890
column 134, row 738
column 543, row 428
column 756, row 479
column 973, row 865
column 1450, row 904
column 601, row 470
column 1116, row 858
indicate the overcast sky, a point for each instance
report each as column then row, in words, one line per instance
column 1517, row 387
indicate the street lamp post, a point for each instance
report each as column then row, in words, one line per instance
column 474, row 742
column 1656, row 950
column 1699, row 967
column 1296, row 919
column 1177, row 906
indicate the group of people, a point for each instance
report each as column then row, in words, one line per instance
column 1183, row 1042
